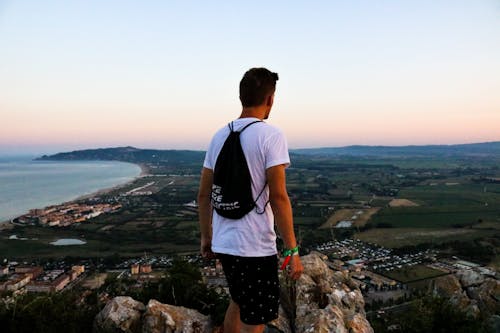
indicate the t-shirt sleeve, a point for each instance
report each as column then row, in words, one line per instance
column 209, row 159
column 277, row 150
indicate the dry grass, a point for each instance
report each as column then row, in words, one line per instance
column 402, row 203
column 362, row 216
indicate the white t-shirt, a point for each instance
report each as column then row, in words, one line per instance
column 253, row 235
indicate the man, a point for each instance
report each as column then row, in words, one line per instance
column 247, row 246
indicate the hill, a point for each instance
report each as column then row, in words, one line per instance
column 136, row 155
column 130, row 154
column 473, row 149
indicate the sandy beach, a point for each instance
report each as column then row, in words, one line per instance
column 145, row 171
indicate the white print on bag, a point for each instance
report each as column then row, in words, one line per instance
column 217, row 199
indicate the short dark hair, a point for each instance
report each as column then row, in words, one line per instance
column 256, row 85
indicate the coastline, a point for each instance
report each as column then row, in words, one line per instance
column 145, row 171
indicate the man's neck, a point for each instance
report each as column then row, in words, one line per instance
column 254, row 112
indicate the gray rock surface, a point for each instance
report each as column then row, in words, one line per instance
column 281, row 324
column 469, row 278
column 164, row 318
column 121, row 314
column 470, row 291
column 325, row 303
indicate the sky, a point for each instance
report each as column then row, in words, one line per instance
column 165, row 74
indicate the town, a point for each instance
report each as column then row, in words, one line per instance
column 375, row 269
column 65, row 215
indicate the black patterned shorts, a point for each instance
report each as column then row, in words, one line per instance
column 254, row 286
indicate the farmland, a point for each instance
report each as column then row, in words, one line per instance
column 393, row 201
column 413, row 273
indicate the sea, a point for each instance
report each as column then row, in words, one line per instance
column 26, row 184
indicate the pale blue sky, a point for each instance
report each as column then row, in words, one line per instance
column 164, row 74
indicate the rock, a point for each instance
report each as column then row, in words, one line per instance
column 281, row 324
column 329, row 319
column 342, row 277
column 354, row 301
column 494, row 323
column 325, row 302
column 121, row 314
column 316, row 268
column 164, row 318
column 489, row 296
column 472, row 310
column 359, row 324
column 469, row 278
column 446, row 286
column 460, row 300
column 472, row 292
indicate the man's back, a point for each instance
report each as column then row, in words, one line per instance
column 264, row 146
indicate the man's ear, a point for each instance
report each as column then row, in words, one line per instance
column 270, row 100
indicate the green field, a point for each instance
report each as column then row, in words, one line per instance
column 436, row 217
column 94, row 248
column 413, row 273
column 399, row 237
column 465, row 193
column 444, row 206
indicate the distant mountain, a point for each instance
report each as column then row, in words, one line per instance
column 129, row 154
column 177, row 157
column 481, row 149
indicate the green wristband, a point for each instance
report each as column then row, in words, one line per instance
column 289, row 252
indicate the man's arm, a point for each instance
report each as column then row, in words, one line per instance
column 205, row 212
column 283, row 217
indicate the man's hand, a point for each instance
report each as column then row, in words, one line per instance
column 206, row 249
column 295, row 267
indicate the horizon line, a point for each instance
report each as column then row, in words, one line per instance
column 10, row 153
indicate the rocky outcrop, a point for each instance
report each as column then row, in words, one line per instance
column 164, row 318
column 327, row 301
column 320, row 301
column 125, row 315
column 121, row 314
column 469, row 278
column 471, row 291
column 281, row 324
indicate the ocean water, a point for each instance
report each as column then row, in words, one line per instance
column 27, row 184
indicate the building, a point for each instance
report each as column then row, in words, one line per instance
column 32, row 271
column 4, row 270
column 146, row 269
column 134, row 269
column 76, row 271
column 22, row 269
column 61, row 282
column 73, row 275
column 17, row 282
column 462, row 264
column 39, row 287
column 79, row 269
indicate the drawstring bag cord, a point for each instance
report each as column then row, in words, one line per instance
column 231, row 128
